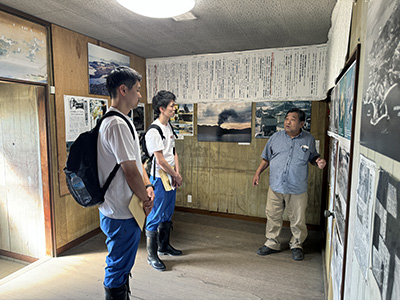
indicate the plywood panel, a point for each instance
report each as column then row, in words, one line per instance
column 21, row 197
column 70, row 60
column 231, row 168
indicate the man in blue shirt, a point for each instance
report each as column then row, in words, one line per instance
column 288, row 153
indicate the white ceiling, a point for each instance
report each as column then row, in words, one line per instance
column 221, row 25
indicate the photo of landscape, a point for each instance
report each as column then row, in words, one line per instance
column 224, row 122
column 101, row 62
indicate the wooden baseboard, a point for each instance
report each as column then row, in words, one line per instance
column 236, row 216
column 18, row 256
column 78, row 241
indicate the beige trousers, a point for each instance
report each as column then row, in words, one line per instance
column 296, row 208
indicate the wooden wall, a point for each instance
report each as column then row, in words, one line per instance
column 70, row 65
column 219, row 175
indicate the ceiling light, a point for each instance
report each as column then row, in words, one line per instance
column 185, row 17
column 158, row 8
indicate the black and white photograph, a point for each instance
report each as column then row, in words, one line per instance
column 334, row 111
column 101, row 62
column 365, row 192
column 332, row 180
column 341, row 190
column 380, row 121
column 224, row 122
column 336, row 265
column 270, row 116
column 385, row 242
column 137, row 116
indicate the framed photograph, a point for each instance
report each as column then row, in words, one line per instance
column 224, row 122
column 101, row 62
column 137, row 116
column 270, row 116
column 380, row 119
column 183, row 120
column 23, row 49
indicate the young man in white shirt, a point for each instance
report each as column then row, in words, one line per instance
column 165, row 178
column 116, row 145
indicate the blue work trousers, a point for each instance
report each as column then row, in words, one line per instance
column 122, row 242
column 164, row 205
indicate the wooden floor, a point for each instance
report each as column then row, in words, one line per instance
column 9, row 266
column 219, row 262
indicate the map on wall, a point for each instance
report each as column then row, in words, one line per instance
column 380, row 121
column 101, row 62
column 295, row 73
column 386, row 242
column 23, row 49
column 270, row 116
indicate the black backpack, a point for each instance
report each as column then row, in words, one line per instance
column 146, row 156
column 81, row 167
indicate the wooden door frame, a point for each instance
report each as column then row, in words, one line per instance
column 45, row 167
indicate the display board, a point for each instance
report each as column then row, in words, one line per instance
column 341, row 127
column 296, row 73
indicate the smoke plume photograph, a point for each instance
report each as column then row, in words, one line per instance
column 224, row 122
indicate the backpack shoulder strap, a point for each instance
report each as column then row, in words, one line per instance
column 172, row 128
column 115, row 113
column 115, row 169
column 158, row 129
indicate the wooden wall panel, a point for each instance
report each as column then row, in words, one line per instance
column 70, row 63
column 22, row 220
column 228, row 169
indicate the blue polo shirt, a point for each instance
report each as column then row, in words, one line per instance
column 288, row 161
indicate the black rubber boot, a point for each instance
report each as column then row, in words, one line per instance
column 119, row 293
column 151, row 247
column 164, row 246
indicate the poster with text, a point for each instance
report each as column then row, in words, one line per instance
column 293, row 73
column 81, row 114
column 364, row 204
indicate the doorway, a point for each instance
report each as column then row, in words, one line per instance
column 24, row 187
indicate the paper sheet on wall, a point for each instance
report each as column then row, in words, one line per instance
column 295, row 73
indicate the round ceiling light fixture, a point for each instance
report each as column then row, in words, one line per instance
column 158, row 8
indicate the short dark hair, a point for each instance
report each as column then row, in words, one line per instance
column 300, row 113
column 121, row 75
column 162, row 99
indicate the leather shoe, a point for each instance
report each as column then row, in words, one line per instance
column 264, row 250
column 297, row 254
